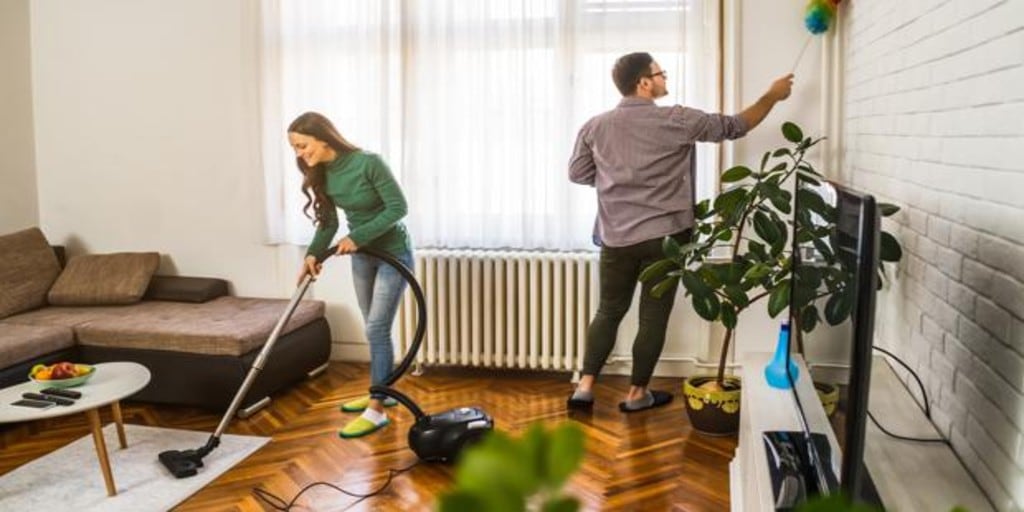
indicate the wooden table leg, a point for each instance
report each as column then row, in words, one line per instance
column 101, row 450
column 119, row 421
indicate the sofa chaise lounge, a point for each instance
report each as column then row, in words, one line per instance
column 197, row 341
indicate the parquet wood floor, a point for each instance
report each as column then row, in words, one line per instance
column 648, row 461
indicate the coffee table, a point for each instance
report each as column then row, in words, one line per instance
column 111, row 383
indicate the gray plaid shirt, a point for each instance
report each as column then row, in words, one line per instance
column 640, row 158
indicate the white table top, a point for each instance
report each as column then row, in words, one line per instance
column 112, row 382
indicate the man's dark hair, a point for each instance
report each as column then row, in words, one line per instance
column 629, row 69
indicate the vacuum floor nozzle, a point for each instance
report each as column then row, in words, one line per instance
column 181, row 463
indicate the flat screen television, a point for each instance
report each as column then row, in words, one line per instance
column 835, row 280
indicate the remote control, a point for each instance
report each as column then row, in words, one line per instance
column 55, row 399
column 66, row 393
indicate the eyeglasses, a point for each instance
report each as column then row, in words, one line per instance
column 663, row 74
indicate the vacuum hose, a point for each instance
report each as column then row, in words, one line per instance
column 421, row 329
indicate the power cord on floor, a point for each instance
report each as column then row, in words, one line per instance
column 926, row 408
column 277, row 503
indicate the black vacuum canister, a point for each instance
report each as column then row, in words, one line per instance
column 441, row 437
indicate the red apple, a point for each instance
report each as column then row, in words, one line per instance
column 63, row 370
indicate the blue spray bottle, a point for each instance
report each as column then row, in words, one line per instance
column 775, row 372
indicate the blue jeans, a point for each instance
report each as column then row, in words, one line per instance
column 379, row 290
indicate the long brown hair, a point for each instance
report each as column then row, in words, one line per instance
column 314, row 179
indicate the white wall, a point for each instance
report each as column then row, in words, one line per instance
column 770, row 39
column 18, row 204
column 147, row 134
column 934, row 102
column 146, row 128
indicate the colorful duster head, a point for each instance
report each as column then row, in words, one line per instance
column 819, row 14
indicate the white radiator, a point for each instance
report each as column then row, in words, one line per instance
column 502, row 309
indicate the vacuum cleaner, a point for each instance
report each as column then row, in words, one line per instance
column 433, row 437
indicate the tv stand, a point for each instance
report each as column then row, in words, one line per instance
column 907, row 475
column 767, row 409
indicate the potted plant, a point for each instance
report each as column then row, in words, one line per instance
column 504, row 474
column 721, row 286
column 824, row 291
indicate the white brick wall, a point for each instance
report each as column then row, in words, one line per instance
column 934, row 121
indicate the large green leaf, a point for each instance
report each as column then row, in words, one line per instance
column 565, row 450
column 737, row 295
column 808, row 277
column 810, row 200
column 890, row 249
column 706, row 306
column 709, row 275
column 806, row 168
column 497, row 465
column 809, row 318
column 792, row 132
column 461, row 501
column 725, row 203
column 783, row 230
column 657, row 270
column 665, row 286
column 757, row 249
column 702, row 210
column 558, row 504
column 728, row 315
column 778, row 300
column 766, row 229
column 736, row 174
column 838, row 306
column 757, row 272
column 780, row 201
column 807, row 178
column 824, row 248
column 837, row 503
column 732, row 272
column 695, row 285
column 887, row 209
column 764, row 159
column 670, row 247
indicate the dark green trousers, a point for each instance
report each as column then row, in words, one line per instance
column 619, row 269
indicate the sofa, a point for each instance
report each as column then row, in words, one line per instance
column 197, row 340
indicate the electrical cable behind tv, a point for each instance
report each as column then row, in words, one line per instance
column 926, row 408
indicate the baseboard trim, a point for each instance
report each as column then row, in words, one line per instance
column 353, row 351
column 669, row 366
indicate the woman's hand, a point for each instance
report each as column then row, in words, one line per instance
column 309, row 266
column 347, row 246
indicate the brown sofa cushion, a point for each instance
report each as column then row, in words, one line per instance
column 186, row 289
column 69, row 316
column 23, row 342
column 28, row 267
column 104, row 279
column 229, row 326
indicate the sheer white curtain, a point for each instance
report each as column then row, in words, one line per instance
column 475, row 104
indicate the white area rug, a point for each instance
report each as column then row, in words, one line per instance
column 70, row 478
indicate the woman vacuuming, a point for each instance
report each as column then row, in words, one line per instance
column 336, row 174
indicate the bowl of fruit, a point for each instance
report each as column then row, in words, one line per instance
column 61, row 375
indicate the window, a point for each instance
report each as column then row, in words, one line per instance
column 475, row 104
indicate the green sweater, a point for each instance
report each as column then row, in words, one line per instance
column 361, row 184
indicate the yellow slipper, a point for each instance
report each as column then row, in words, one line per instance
column 360, row 404
column 360, row 427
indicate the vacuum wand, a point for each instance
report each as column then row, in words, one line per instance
column 186, row 463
